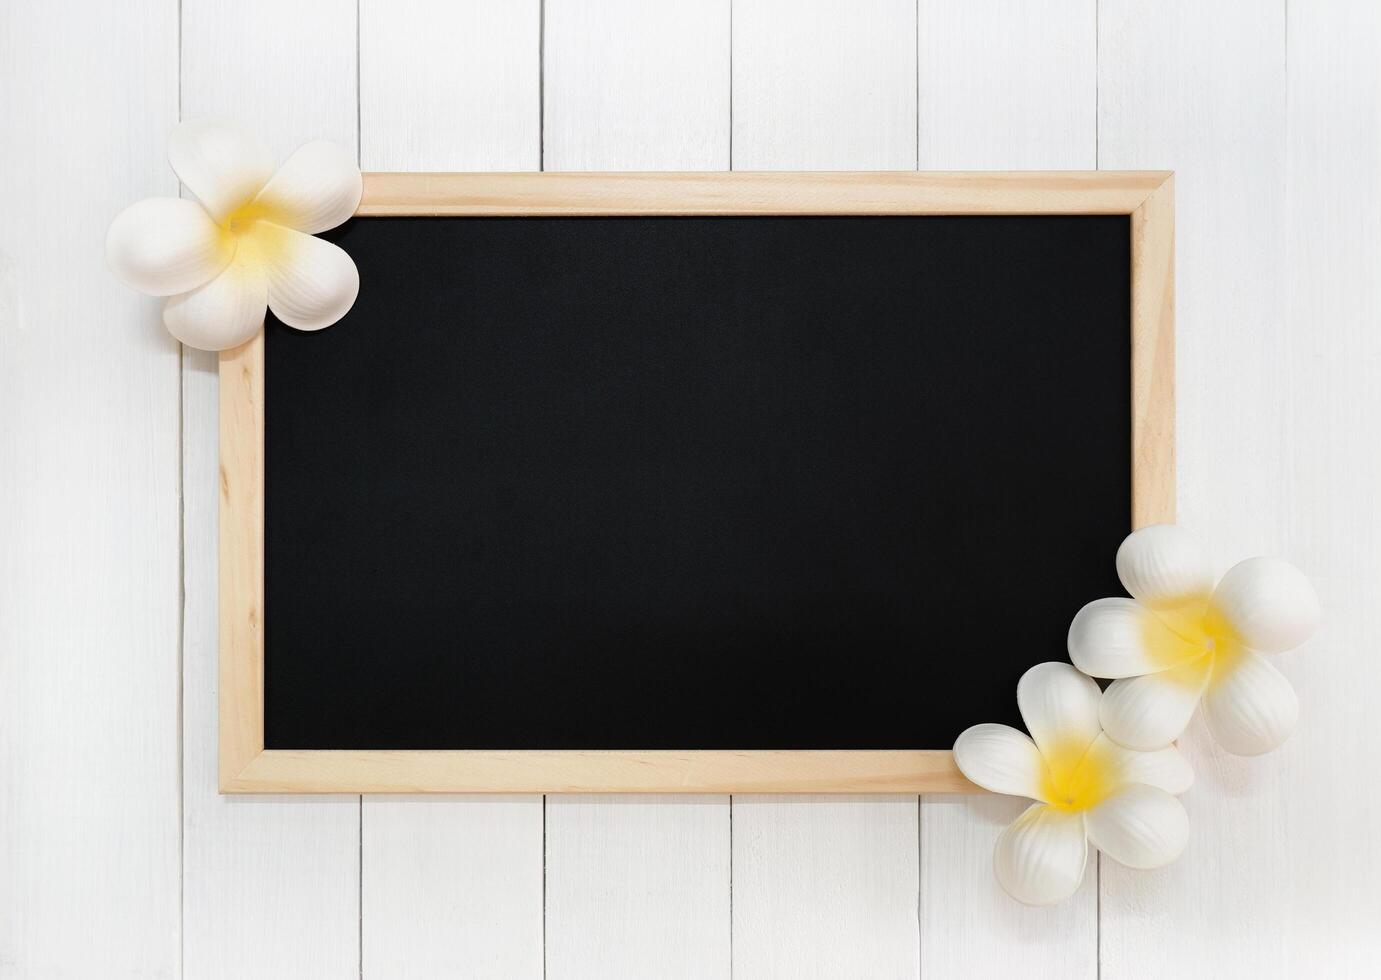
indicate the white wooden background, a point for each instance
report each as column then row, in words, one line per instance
column 118, row 859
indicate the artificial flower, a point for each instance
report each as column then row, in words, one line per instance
column 1181, row 642
column 245, row 244
column 1087, row 788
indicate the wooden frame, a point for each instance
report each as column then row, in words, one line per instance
column 247, row 767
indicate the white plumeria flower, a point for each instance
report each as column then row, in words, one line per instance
column 1180, row 642
column 1087, row 787
column 248, row 244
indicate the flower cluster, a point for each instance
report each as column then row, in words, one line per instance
column 1100, row 765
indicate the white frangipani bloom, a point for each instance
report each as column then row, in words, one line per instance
column 1087, row 787
column 1180, row 642
column 246, row 243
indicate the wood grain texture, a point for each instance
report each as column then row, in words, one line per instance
column 89, row 871
column 448, row 888
column 450, row 84
column 631, row 85
column 1153, row 358
column 240, row 607
column 451, row 887
column 1202, row 88
column 825, row 888
column 270, row 886
column 592, row 771
column 782, row 192
column 824, row 84
column 637, row 887
column 1003, row 84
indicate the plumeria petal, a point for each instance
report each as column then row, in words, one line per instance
column 317, row 188
column 224, row 313
column 1250, row 706
column 1165, row 768
column 1059, row 706
column 1162, row 566
column 1001, row 759
column 164, row 245
column 223, row 166
column 1122, row 638
column 1268, row 603
column 1151, row 711
column 1140, row 826
column 1040, row 858
column 312, row 283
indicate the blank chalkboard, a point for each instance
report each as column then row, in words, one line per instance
column 645, row 482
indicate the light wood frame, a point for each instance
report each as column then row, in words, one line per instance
column 247, row 767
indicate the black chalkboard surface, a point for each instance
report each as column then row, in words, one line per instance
column 692, row 482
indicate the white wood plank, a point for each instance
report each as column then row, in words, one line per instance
column 631, row 85
column 1004, row 85
column 271, row 884
column 89, row 826
column 637, row 887
column 1200, row 89
column 1325, row 866
column 451, row 887
column 1007, row 84
column 825, row 887
column 969, row 925
column 450, row 84
column 824, row 84
column 436, row 897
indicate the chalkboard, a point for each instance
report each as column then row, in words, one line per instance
column 722, row 484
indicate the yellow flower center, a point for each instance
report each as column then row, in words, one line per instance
column 256, row 235
column 1181, row 632
column 1077, row 777
column 247, row 215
